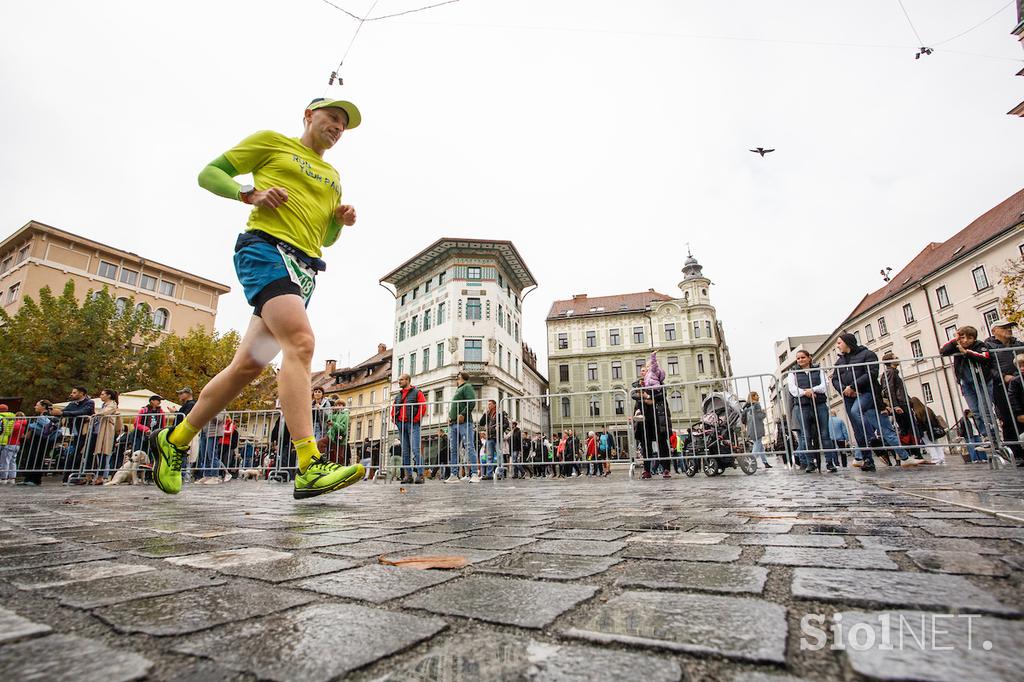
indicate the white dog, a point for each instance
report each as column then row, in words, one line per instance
column 128, row 474
column 250, row 474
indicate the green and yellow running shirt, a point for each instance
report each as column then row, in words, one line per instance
column 314, row 189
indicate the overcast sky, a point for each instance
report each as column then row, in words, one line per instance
column 598, row 136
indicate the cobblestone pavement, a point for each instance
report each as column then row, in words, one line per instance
column 580, row 579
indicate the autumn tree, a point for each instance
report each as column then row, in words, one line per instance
column 192, row 360
column 56, row 342
column 1012, row 304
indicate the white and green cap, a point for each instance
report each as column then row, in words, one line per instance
column 354, row 119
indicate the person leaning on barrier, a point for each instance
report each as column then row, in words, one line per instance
column 407, row 413
column 1005, row 347
column 337, row 434
column 460, row 430
column 652, row 420
column 809, row 387
column 972, row 366
column 753, row 417
column 489, row 425
column 855, row 376
column 109, row 421
column 76, row 413
column 1015, row 396
column 894, row 395
column 930, row 427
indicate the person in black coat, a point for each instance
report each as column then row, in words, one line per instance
column 1005, row 347
column 972, row 365
column 652, row 423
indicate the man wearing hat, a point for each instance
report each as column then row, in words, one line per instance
column 1004, row 346
column 297, row 210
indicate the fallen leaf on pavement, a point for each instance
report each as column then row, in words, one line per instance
column 425, row 562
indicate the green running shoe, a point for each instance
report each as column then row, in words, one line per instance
column 166, row 462
column 322, row 476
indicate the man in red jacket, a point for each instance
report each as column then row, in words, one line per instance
column 409, row 408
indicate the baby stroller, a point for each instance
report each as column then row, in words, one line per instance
column 712, row 444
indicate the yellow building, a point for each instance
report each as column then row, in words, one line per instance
column 39, row 255
column 365, row 389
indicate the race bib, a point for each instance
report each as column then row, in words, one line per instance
column 300, row 273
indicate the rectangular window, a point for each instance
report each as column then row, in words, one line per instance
column 926, row 392
column 500, row 355
column 501, row 316
column 990, row 317
column 883, row 329
column 369, row 429
column 426, row 287
column 401, row 330
column 915, row 349
column 474, row 350
column 707, row 328
column 613, row 337
column 412, row 364
column 856, row 335
column 426, row 359
column 403, row 298
column 438, row 401
column 23, row 254
column 508, row 361
column 942, row 296
column 473, row 272
column 129, row 277
column 440, row 314
column 676, row 402
column 620, row 405
column 591, row 371
column 591, row 339
column 501, row 281
column 595, row 406
column 415, row 292
column 359, row 430
column 980, row 278
column 908, row 313
column 673, row 366
column 440, row 355
column 517, row 332
column 12, row 293
column 414, row 326
column 167, row 288
column 711, row 362
column 950, row 332
column 107, row 270
column 508, row 325
column 639, row 365
column 563, row 373
column 472, row 308
column 670, row 331
column 148, row 283
column 617, row 370
column 563, row 341
column 700, row 363
column 517, row 368
column 440, row 277
column 566, row 407
column 638, row 335
column 401, row 367
column 696, row 330
column 6, row 264
column 426, row 319
column 869, row 335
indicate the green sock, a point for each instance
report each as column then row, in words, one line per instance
column 182, row 434
column 306, row 450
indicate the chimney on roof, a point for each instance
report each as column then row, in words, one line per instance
column 381, row 347
column 332, row 365
column 651, row 290
column 578, row 297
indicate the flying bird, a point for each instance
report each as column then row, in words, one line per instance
column 762, row 151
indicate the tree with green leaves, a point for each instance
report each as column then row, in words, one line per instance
column 1012, row 304
column 192, row 360
column 56, row 342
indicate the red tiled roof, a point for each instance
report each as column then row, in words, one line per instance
column 621, row 303
column 379, row 366
column 939, row 254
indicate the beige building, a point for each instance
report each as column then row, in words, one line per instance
column 596, row 347
column 947, row 285
column 365, row 388
column 777, row 397
column 39, row 255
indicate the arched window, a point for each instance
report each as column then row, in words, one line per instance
column 143, row 308
column 676, row 402
column 595, row 406
column 121, row 305
column 161, row 317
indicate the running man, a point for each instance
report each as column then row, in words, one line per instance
column 297, row 210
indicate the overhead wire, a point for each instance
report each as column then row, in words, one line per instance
column 909, row 21
column 978, row 25
column 412, row 11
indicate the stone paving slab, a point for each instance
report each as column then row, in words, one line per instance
column 734, row 627
column 473, row 556
column 423, row 538
column 749, row 528
column 326, row 641
column 169, row 546
column 286, row 540
column 828, row 558
column 179, row 614
column 365, row 549
column 28, row 550
column 57, row 576
column 963, row 563
column 229, row 557
column 692, row 575
column 68, row 657
column 375, row 583
column 894, row 543
column 550, row 566
column 943, row 649
column 526, row 603
column 662, row 537
column 514, row 658
column 584, row 534
column 292, row 568
column 489, row 542
column 101, row 534
column 682, row 552
column 943, row 529
column 68, row 556
column 14, row 627
column 885, row 588
column 515, row 531
column 20, row 538
column 580, row 547
column 94, row 593
column 790, row 540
